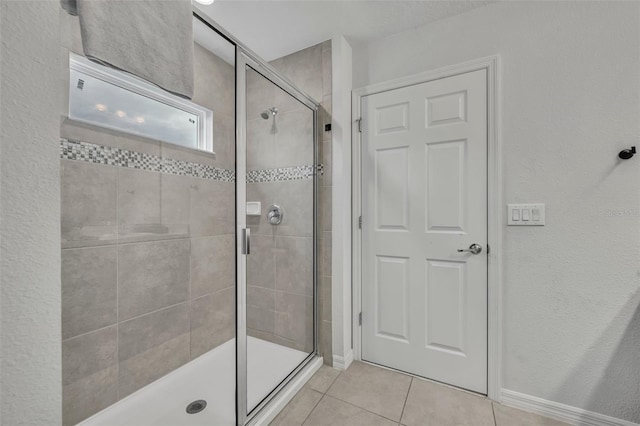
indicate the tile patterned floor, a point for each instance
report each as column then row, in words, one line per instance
column 366, row 395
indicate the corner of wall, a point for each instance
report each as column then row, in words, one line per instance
column 342, row 78
column 30, row 212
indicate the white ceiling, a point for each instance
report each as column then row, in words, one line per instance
column 273, row 28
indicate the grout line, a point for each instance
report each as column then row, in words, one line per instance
column 405, row 400
column 155, row 311
column 493, row 412
column 313, row 409
column 129, row 243
column 89, row 332
column 364, row 409
column 333, row 381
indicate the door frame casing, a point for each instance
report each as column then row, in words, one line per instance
column 494, row 205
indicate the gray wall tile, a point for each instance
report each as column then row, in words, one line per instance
column 261, row 149
column 294, row 319
column 324, row 342
column 260, row 92
column 294, row 265
column 261, row 305
column 224, row 141
column 284, row 101
column 324, row 296
column 138, row 203
column 214, row 83
column 212, row 264
column 296, row 199
column 325, row 208
column 183, row 153
column 89, row 374
column 89, row 395
column 89, row 289
column 304, row 69
column 261, row 265
column 84, row 355
column 175, row 202
column 151, row 346
column 326, row 106
column 212, row 321
column 88, row 204
column 326, row 68
column 212, row 209
column 326, row 162
column 294, row 139
column 152, row 276
column 325, row 250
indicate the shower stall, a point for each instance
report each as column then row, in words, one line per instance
column 190, row 241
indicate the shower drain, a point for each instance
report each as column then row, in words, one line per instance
column 196, row 406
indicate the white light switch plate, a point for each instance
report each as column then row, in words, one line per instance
column 525, row 214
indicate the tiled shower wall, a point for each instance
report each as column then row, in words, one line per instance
column 279, row 274
column 148, row 250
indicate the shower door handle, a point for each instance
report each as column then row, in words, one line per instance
column 246, row 241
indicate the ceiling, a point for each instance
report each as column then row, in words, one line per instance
column 274, row 28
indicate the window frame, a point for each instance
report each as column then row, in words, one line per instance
column 131, row 83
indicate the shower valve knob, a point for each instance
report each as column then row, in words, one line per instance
column 275, row 214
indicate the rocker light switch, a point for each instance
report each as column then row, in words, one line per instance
column 525, row 214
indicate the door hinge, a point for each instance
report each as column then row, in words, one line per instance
column 360, row 318
column 359, row 120
column 360, row 222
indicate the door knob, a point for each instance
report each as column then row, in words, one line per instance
column 473, row 249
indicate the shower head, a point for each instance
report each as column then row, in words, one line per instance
column 265, row 114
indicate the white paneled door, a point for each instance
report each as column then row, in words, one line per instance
column 424, row 189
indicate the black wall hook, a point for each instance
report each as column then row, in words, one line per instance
column 625, row 154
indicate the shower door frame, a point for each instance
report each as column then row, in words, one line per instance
column 246, row 59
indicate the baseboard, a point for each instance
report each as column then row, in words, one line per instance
column 270, row 412
column 342, row 363
column 558, row 411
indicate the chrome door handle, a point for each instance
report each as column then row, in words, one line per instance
column 246, row 241
column 473, row 249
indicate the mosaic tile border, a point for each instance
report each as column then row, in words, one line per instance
column 71, row 149
column 284, row 174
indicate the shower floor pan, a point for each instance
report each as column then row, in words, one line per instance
column 210, row 377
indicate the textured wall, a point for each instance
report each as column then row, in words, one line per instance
column 570, row 102
column 148, row 264
column 29, row 207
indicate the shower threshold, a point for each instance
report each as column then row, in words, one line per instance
column 210, row 377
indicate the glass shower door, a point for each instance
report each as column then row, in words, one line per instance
column 278, row 210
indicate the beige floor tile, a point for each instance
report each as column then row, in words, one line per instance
column 375, row 389
column 333, row 412
column 507, row 416
column 295, row 413
column 431, row 404
column 323, row 378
